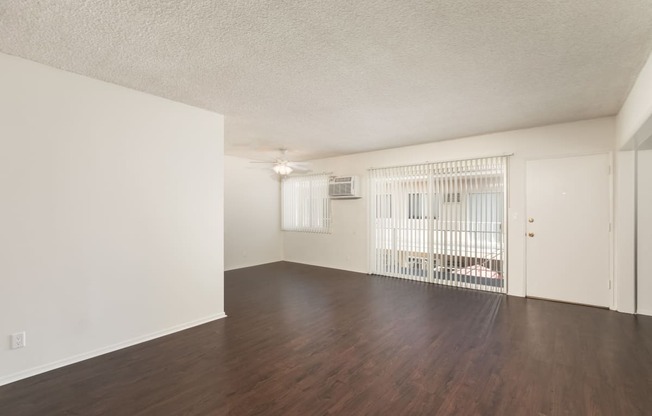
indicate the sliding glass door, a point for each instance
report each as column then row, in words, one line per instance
column 441, row 222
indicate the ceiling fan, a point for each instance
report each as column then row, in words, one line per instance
column 283, row 167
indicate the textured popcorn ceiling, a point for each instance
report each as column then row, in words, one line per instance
column 340, row 76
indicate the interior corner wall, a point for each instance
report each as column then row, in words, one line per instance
column 252, row 217
column 111, row 217
column 644, row 229
column 624, row 225
column 347, row 248
column 634, row 126
column 634, row 121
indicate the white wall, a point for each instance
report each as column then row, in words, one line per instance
column 634, row 123
column 252, row 218
column 111, row 216
column 644, row 233
column 624, row 225
column 346, row 248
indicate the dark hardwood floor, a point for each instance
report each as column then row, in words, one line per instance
column 302, row 340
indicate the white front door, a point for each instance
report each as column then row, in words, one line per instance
column 568, row 227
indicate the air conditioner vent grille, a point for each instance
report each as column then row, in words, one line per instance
column 343, row 187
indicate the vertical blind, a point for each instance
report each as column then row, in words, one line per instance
column 305, row 205
column 441, row 222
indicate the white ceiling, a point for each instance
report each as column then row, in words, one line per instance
column 340, row 76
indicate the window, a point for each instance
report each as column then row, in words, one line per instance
column 452, row 198
column 416, row 206
column 305, row 204
column 485, row 213
column 384, row 206
column 447, row 224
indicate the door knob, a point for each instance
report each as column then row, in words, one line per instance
column 530, row 234
column 530, row 219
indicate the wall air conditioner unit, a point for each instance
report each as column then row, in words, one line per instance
column 344, row 187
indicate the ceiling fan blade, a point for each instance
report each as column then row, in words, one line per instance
column 305, row 165
column 278, row 164
column 300, row 169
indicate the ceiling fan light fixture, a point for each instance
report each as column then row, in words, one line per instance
column 282, row 169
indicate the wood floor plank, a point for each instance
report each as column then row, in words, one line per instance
column 304, row 340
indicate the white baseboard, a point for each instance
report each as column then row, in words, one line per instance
column 105, row 350
column 644, row 312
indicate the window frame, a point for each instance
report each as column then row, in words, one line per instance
column 305, row 204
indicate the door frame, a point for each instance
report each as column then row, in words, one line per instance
column 610, row 179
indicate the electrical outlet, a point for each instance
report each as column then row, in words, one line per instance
column 18, row 340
